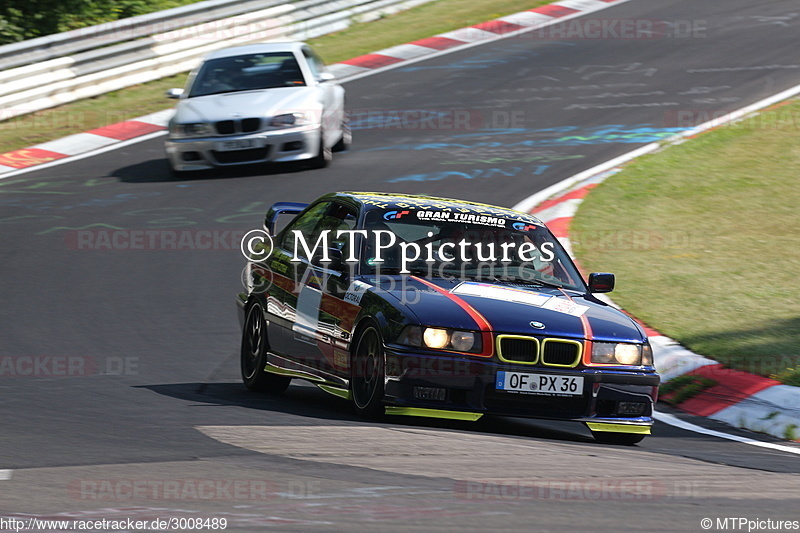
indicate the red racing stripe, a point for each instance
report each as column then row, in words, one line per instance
column 483, row 324
column 587, row 333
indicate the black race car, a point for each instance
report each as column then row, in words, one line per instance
column 421, row 306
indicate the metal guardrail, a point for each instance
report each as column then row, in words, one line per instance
column 53, row 70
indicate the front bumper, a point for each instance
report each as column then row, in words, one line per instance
column 293, row 144
column 467, row 384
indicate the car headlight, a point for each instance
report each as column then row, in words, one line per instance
column 195, row 129
column 441, row 339
column 462, row 341
column 289, row 120
column 621, row 353
column 436, row 338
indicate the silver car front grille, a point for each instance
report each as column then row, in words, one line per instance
column 232, row 127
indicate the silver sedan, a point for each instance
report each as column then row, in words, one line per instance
column 257, row 103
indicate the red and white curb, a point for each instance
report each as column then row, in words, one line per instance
column 108, row 137
column 84, row 144
column 740, row 399
column 508, row 26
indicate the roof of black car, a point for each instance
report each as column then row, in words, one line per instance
column 389, row 201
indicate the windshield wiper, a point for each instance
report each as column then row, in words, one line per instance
column 537, row 282
column 410, row 270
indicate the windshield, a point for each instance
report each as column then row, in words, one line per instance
column 465, row 246
column 247, row 73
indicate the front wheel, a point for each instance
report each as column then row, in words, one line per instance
column 177, row 174
column 254, row 355
column 346, row 139
column 368, row 373
column 324, row 153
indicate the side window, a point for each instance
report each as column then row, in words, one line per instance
column 305, row 223
column 342, row 218
column 323, row 216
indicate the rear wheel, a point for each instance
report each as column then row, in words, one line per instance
column 368, row 373
column 254, row 355
column 623, row 439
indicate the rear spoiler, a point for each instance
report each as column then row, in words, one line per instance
column 278, row 209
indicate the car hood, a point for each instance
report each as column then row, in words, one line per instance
column 263, row 103
column 510, row 309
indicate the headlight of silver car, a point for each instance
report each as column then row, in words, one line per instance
column 621, row 353
column 441, row 339
column 195, row 129
column 289, row 120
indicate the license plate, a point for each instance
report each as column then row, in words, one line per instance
column 238, row 144
column 539, row 383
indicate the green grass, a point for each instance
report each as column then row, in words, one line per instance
column 679, row 389
column 705, row 240
column 417, row 23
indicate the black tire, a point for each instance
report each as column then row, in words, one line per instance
column 346, row 139
column 178, row 174
column 324, row 153
column 621, row 439
column 254, row 355
column 367, row 373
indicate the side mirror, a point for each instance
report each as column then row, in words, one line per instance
column 325, row 76
column 174, row 94
column 601, row 282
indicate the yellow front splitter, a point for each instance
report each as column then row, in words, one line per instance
column 336, row 391
column 603, row 427
column 433, row 413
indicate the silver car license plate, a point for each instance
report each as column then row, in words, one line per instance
column 238, row 144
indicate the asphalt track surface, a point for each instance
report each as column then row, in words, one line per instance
column 120, row 367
